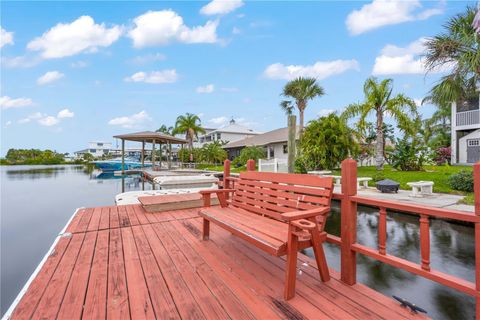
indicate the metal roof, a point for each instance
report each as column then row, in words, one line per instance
column 150, row 136
column 274, row 136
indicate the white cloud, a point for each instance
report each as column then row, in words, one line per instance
column 326, row 112
column 380, row 13
column 319, row 70
column 19, row 62
column 48, row 121
column 236, row 30
column 6, row 102
column 418, row 102
column 68, row 39
column 209, row 88
column 130, row 122
column 215, row 7
column 152, row 57
column 50, row 77
column 156, row 28
column 5, row 37
column 407, row 60
column 65, row 113
column 155, row 77
column 8, row 123
column 219, row 121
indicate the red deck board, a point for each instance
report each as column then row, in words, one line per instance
column 122, row 264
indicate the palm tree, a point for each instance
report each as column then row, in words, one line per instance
column 164, row 129
column 287, row 106
column 302, row 90
column 190, row 125
column 379, row 100
column 458, row 48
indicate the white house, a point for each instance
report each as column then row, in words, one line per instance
column 229, row 133
column 466, row 131
column 96, row 149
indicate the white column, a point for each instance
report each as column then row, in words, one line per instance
column 259, row 165
column 453, row 121
column 275, row 165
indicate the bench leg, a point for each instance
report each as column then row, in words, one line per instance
column 206, row 229
column 291, row 268
column 320, row 256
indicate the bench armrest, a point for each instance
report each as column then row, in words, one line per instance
column 210, row 191
column 221, row 194
column 297, row 215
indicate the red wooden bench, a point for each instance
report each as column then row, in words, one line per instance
column 279, row 213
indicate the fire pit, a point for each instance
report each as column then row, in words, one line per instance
column 388, row 185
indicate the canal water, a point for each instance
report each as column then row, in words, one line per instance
column 37, row 201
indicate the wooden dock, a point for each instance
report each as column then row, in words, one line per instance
column 123, row 263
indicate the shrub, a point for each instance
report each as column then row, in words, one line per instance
column 442, row 156
column 408, row 155
column 325, row 143
column 462, row 181
column 247, row 153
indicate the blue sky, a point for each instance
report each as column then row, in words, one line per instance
column 74, row 72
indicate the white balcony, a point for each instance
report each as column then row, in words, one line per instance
column 467, row 118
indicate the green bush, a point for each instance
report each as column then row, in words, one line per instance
column 462, row 181
column 247, row 153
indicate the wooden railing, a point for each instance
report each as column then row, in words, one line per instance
column 350, row 247
column 348, row 232
column 467, row 118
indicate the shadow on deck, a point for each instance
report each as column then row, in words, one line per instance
column 123, row 263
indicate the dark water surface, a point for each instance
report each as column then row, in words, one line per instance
column 37, row 202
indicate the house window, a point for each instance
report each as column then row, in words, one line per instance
column 219, row 136
column 271, row 153
column 99, row 144
column 473, row 143
column 93, row 150
column 285, row 148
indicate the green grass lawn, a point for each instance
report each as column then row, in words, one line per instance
column 219, row 168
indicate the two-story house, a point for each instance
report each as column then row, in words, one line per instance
column 229, row 133
column 466, row 131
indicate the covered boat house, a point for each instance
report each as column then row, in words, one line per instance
column 153, row 138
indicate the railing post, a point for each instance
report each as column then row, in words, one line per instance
column 226, row 174
column 382, row 231
column 348, row 222
column 425, row 242
column 259, row 165
column 476, row 190
column 251, row 165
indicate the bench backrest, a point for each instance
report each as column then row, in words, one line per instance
column 271, row 194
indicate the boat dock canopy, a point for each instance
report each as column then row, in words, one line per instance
column 151, row 137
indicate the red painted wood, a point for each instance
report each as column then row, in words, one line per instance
column 226, row 174
column 72, row 304
column 76, row 219
column 476, row 181
column 382, row 230
column 117, row 296
column 96, row 298
column 349, row 222
column 289, row 178
column 123, row 216
column 104, row 219
column 425, row 242
column 114, row 219
column 138, row 296
column 52, row 298
column 85, row 221
column 250, row 165
column 95, row 220
column 36, row 289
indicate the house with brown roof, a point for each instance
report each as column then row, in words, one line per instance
column 274, row 142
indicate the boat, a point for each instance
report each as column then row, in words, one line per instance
column 116, row 164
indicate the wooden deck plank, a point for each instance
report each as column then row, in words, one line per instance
column 140, row 303
column 36, row 289
column 52, row 298
column 241, row 283
column 85, row 221
column 114, row 220
column 117, row 295
column 72, row 304
column 123, row 217
column 132, row 216
column 95, row 220
column 121, row 263
column 104, row 219
column 96, row 299
column 158, row 262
